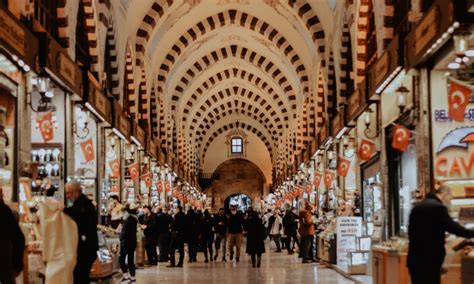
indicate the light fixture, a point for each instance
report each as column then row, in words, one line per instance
column 42, row 86
column 401, row 93
column 85, row 129
column 346, row 140
column 367, row 117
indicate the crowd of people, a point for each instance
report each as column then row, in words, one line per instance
column 218, row 236
column 215, row 235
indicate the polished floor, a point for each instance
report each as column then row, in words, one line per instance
column 276, row 268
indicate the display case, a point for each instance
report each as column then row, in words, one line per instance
column 47, row 161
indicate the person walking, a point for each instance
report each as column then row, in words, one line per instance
column 221, row 234
column 151, row 235
column 12, row 244
column 178, row 229
column 128, row 244
column 207, row 235
column 306, row 231
column 163, row 222
column 290, row 227
column 274, row 228
column 255, row 238
column 429, row 221
column 234, row 235
column 83, row 212
column 193, row 229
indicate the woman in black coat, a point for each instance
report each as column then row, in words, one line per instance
column 255, row 236
column 128, row 244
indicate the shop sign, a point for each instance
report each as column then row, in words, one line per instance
column 152, row 149
column 453, row 141
column 323, row 133
column 141, row 136
column 60, row 64
column 12, row 32
column 123, row 125
column 348, row 229
column 435, row 22
column 426, row 30
column 338, row 122
column 356, row 103
column 17, row 38
column 384, row 68
column 97, row 99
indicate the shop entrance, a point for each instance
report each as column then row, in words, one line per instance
column 242, row 201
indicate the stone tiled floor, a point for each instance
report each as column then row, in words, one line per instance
column 276, row 268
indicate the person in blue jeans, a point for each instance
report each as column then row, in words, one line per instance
column 128, row 244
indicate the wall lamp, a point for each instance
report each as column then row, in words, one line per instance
column 367, row 121
column 402, row 94
column 85, row 129
column 42, row 86
column 346, row 142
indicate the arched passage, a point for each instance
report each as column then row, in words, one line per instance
column 236, row 176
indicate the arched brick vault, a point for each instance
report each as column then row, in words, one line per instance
column 237, row 53
column 214, row 110
column 234, row 75
column 195, row 105
column 231, row 17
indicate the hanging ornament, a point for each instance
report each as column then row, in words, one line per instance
column 458, row 99
column 366, row 149
column 45, row 123
column 400, row 137
column 343, row 167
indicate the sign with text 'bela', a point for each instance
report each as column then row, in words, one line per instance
column 348, row 228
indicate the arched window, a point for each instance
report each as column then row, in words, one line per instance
column 237, row 145
column 236, row 141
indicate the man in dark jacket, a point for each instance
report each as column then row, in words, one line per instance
column 83, row 213
column 193, row 224
column 178, row 228
column 163, row 221
column 235, row 222
column 290, row 227
column 220, row 222
column 429, row 221
column 12, row 244
column 151, row 235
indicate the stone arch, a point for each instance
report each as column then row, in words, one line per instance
column 237, row 176
column 346, row 64
column 111, row 60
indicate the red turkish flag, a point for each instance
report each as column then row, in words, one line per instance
column 343, row 167
column 167, row 187
column 115, row 167
column 400, row 137
column 458, row 99
column 366, row 149
column 88, row 150
column 328, row 177
column 308, row 188
column 147, row 179
column 46, row 128
column 317, row 179
column 133, row 171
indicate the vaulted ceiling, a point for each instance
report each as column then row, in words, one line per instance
column 219, row 64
